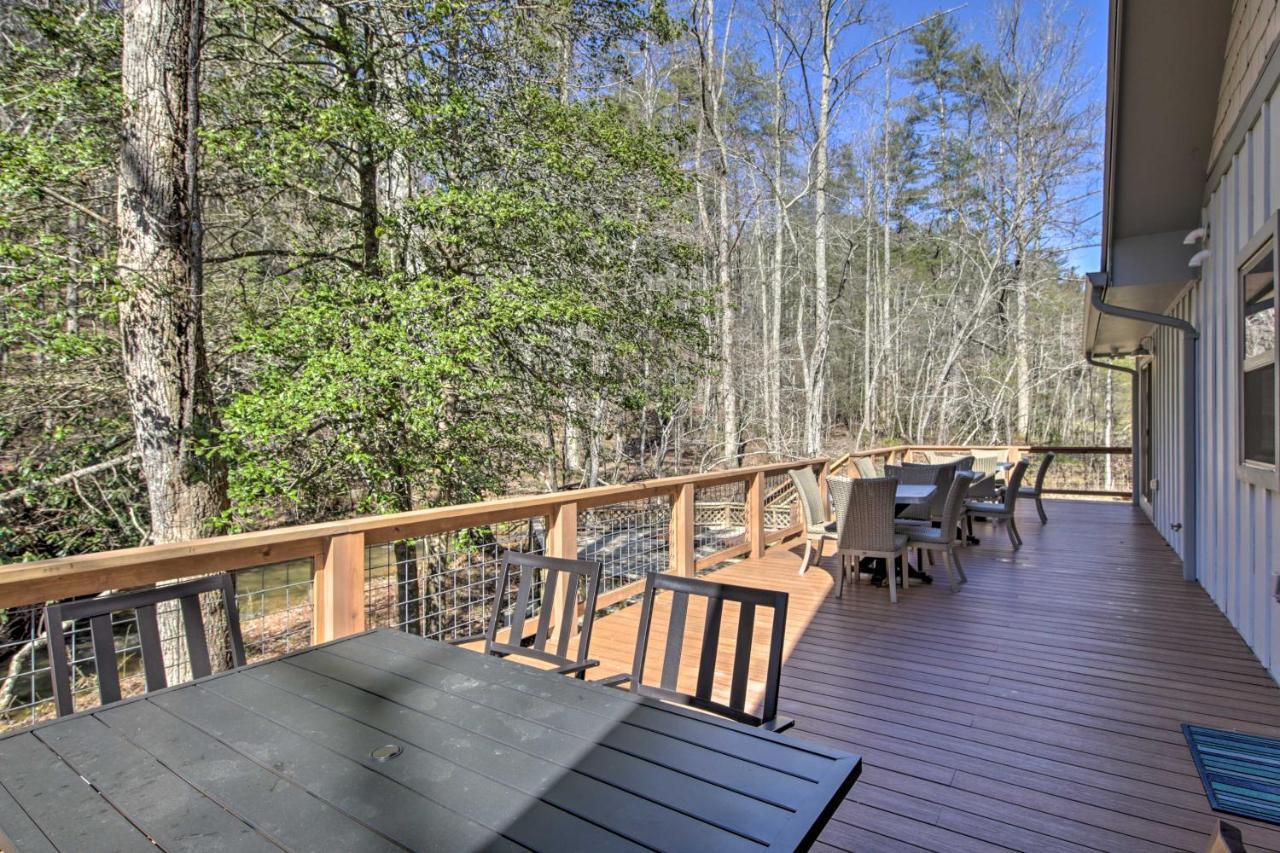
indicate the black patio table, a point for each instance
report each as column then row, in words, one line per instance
column 386, row 741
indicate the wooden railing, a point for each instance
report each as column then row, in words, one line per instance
column 844, row 465
column 338, row 549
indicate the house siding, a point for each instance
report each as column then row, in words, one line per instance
column 1237, row 538
column 1251, row 36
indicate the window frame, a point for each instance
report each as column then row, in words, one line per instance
column 1266, row 239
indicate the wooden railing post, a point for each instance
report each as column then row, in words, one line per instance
column 338, row 588
column 755, row 514
column 681, row 548
column 562, row 541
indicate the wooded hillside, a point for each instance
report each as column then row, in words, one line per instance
column 267, row 261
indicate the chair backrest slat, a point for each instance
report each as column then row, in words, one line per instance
column 742, row 654
column 59, row 669
column 549, row 588
column 197, row 648
column 773, row 671
column 710, row 646
column 521, row 607
column 560, row 587
column 152, row 653
column 749, row 600
column 675, row 640
column 104, row 657
column 568, row 613
column 143, row 603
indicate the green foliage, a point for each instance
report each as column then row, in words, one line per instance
column 61, row 398
column 523, row 254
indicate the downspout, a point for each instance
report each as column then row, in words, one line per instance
column 1133, row 419
column 1190, row 455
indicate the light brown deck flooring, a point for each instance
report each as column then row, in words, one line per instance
column 1038, row 709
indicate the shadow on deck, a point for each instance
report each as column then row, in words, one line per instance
column 1039, row 709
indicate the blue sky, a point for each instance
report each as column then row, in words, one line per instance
column 972, row 17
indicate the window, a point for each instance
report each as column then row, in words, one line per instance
column 1258, row 364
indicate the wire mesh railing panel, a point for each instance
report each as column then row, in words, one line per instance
column 780, row 507
column 631, row 539
column 1097, row 472
column 719, row 518
column 276, row 608
column 444, row 586
column 25, row 692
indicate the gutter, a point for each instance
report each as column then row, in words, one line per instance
column 1133, row 418
column 1098, row 284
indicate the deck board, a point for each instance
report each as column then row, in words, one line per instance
column 1038, row 709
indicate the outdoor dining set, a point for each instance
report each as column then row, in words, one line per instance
column 384, row 740
column 926, row 507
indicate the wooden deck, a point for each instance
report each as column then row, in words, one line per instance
column 1038, row 709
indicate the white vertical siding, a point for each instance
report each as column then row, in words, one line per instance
column 1238, row 521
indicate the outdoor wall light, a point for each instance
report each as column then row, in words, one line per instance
column 1196, row 236
column 1198, row 258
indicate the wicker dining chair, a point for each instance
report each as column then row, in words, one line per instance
column 932, row 511
column 554, row 570
column 143, row 603
column 814, row 512
column 1004, row 511
column 865, row 467
column 1037, row 491
column 864, row 520
column 987, row 462
column 947, row 535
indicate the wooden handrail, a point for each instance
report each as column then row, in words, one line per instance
column 65, row 577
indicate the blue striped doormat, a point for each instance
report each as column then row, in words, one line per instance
column 1241, row 773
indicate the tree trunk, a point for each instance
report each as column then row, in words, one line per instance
column 160, row 266
column 816, row 374
column 712, row 83
column 1022, row 354
column 773, row 310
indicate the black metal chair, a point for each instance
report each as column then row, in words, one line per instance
column 573, row 571
column 716, row 594
column 143, row 602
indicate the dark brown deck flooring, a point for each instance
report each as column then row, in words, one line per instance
column 1038, row 709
